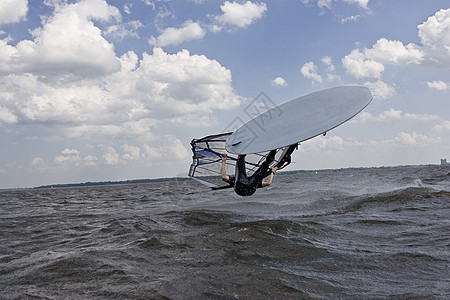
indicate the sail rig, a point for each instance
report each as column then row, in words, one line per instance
column 207, row 160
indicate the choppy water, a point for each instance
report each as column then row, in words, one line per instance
column 349, row 234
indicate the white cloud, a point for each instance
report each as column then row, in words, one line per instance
column 127, row 8
column 435, row 48
column 131, row 152
column 329, row 3
column 279, row 81
column 420, row 117
column 402, row 140
column 393, row 114
column 170, row 148
column 358, row 65
column 351, row 18
column 174, row 36
column 241, row 15
column 415, row 139
column 324, row 3
column 380, row 90
column 120, row 31
column 159, row 87
column 444, row 126
column 42, row 102
column 90, row 161
column 42, row 82
column 96, row 131
column 369, row 63
column 151, row 153
column 12, row 11
column 309, row 70
column 39, row 165
column 111, row 157
column 332, row 143
column 7, row 116
column 164, row 149
column 181, row 84
column 328, row 62
column 435, row 36
column 437, row 85
column 333, row 77
column 362, row 3
column 70, row 157
column 394, row 52
column 37, row 161
column 68, row 151
column 68, row 42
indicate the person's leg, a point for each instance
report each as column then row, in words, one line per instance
column 240, row 167
column 270, row 157
column 286, row 160
column 263, row 170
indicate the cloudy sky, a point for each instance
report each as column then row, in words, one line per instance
column 98, row 90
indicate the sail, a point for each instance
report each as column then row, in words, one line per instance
column 207, row 160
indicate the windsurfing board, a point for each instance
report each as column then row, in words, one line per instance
column 299, row 119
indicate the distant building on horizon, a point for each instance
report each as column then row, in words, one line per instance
column 444, row 162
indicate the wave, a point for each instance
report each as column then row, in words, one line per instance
column 400, row 199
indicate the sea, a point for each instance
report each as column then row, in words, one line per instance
column 372, row 233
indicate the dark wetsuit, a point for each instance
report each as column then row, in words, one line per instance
column 246, row 186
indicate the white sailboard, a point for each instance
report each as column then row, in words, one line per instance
column 299, row 120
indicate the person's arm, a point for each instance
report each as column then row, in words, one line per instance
column 223, row 172
column 270, row 178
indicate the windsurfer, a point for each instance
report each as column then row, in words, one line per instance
column 246, row 185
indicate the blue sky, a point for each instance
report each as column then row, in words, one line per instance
column 99, row 90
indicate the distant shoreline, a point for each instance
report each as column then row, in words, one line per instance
column 168, row 179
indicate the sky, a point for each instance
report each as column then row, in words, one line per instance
column 99, row 90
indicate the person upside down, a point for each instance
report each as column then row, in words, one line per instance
column 246, row 185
